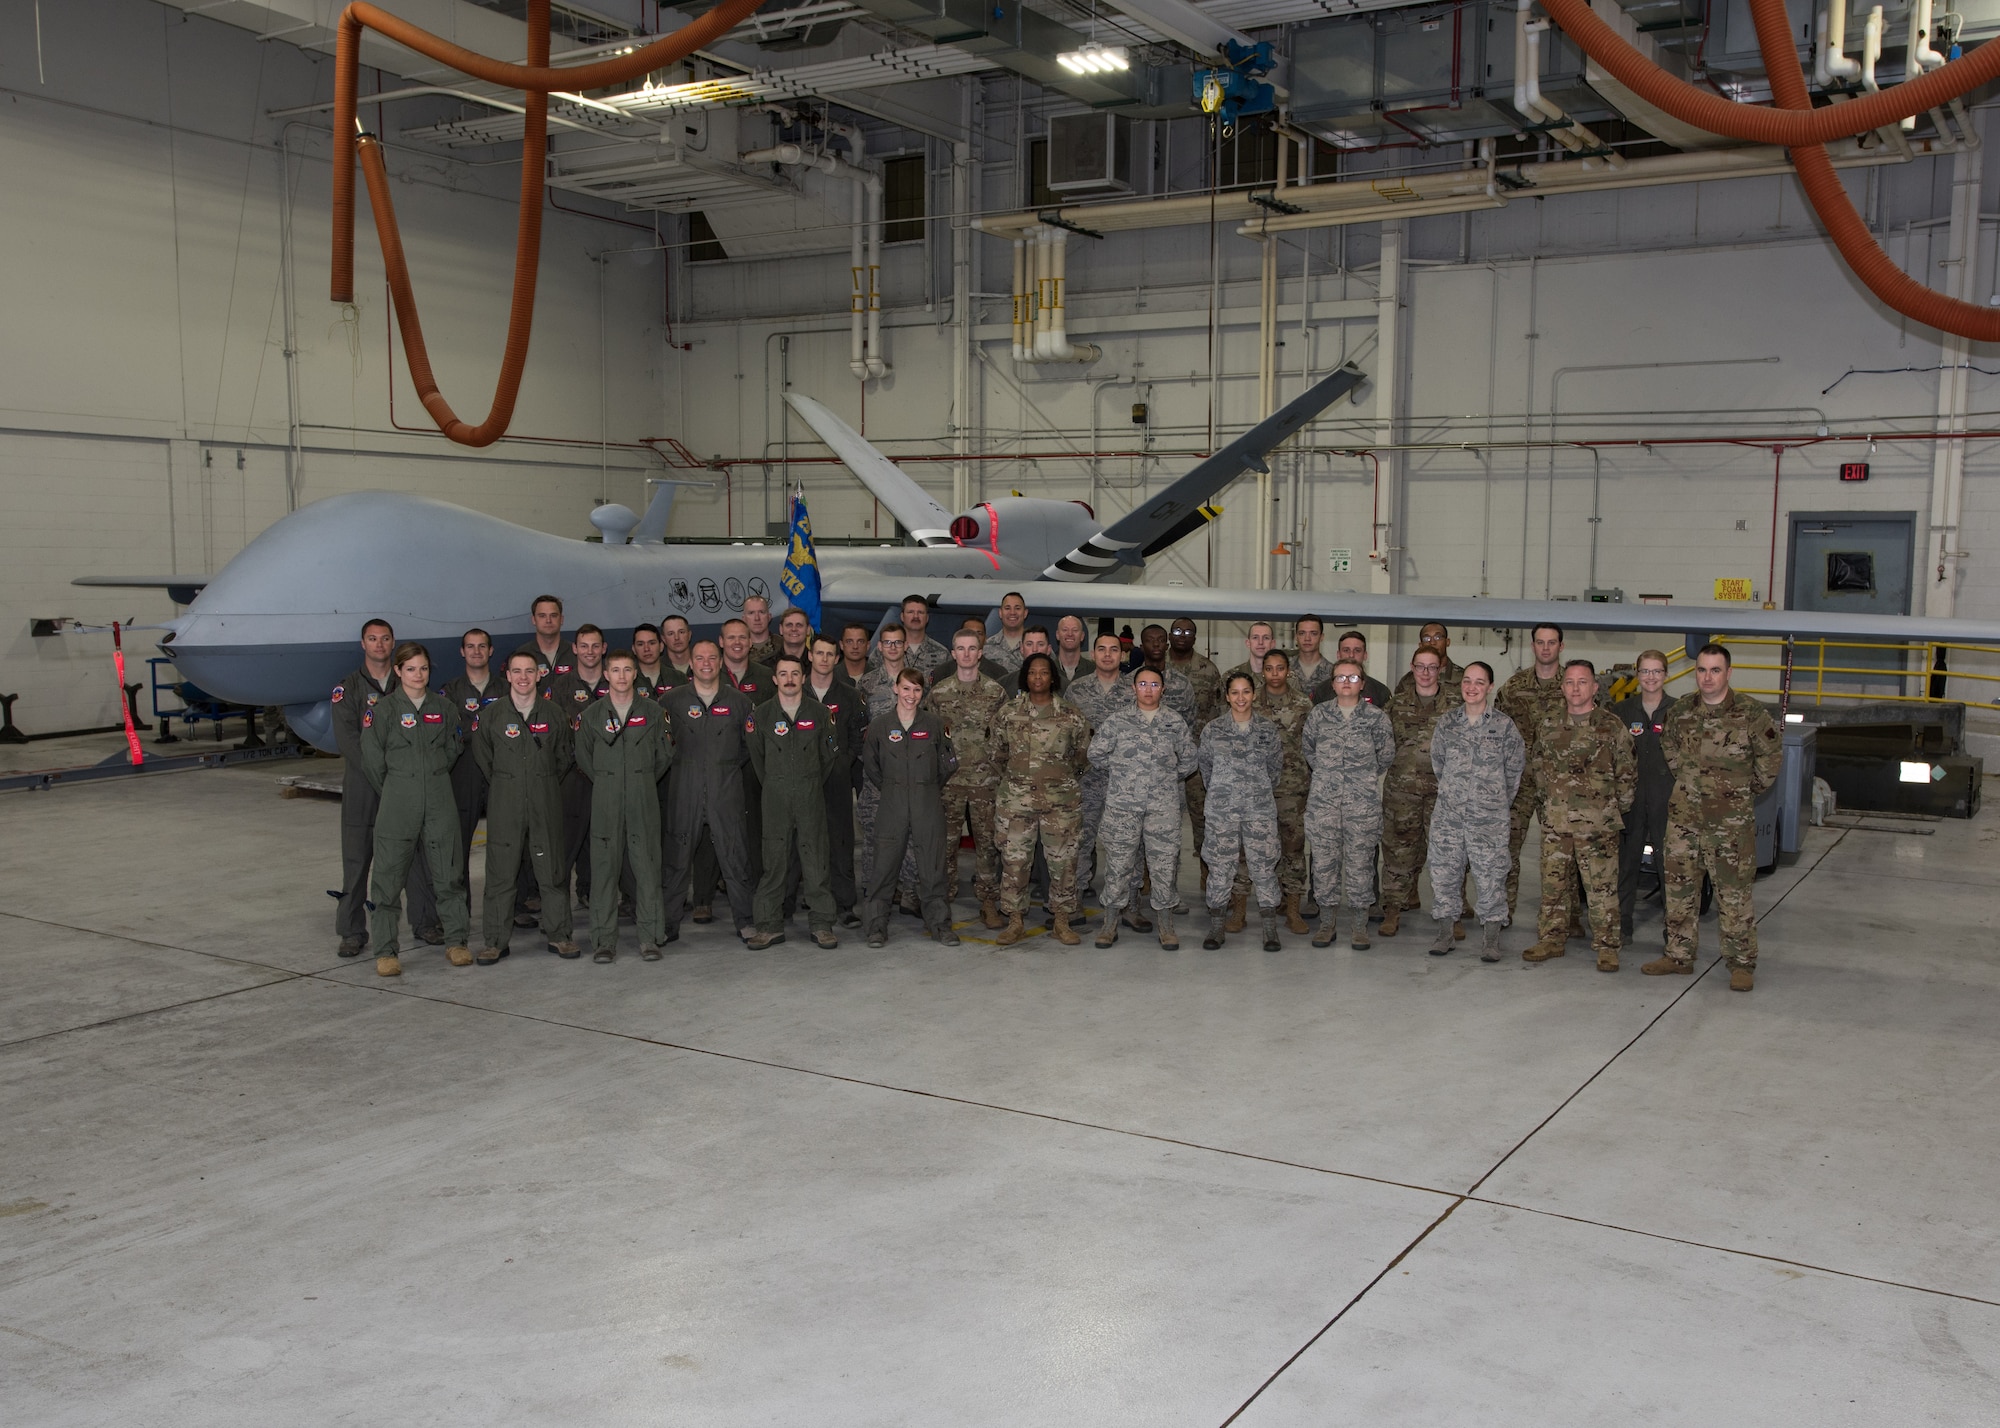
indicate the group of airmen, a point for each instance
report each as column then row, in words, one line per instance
column 788, row 768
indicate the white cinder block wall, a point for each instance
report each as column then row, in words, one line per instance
column 142, row 374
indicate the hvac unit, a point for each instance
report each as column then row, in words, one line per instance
column 1090, row 153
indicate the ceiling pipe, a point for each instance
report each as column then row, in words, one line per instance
column 865, row 251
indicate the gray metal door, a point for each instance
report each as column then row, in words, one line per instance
column 1854, row 563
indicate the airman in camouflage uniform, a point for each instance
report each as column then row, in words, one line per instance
column 1241, row 764
column 967, row 707
column 1100, row 692
column 1479, row 767
column 1040, row 750
column 1146, row 752
column 1286, row 708
column 1530, row 698
column 1723, row 755
column 1437, row 638
column 1200, row 672
column 1348, row 749
column 1409, row 793
column 1585, row 777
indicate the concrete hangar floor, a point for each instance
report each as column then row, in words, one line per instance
column 243, row 1182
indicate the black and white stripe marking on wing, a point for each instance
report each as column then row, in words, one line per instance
column 1092, row 560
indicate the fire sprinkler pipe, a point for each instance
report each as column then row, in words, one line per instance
column 865, row 260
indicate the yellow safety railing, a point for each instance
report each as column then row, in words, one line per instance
column 1924, row 662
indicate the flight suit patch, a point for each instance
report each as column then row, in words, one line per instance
column 806, row 724
column 718, row 709
column 694, row 711
column 433, row 718
column 472, row 705
column 781, row 728
column 537, row 729
column 339, row 693
column 409, row 721
column 920, row 733
column 513, row 731
column 895, row 736
column 637, row 721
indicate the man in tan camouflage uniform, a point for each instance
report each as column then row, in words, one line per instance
column 1004, row 647
column 1040, row 745
column 1099, row 692
column 1583, row 766
column 1531, row 696
column 967, row 701
column 764, row 644
column 1200, row 670
column 1409, row 793
column 1724, row 749
column 1287, row 708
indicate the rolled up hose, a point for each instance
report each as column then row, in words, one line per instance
column 537, row 81
column 1753, row 122
column 1828, row 196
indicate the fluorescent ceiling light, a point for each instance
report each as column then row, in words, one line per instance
column 1094, row 58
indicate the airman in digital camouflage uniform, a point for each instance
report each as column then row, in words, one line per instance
column 1100, row 692
column 1177, row 690
column 1147, row 753
column 967, row 701
column 1287, row 708
column 1349, row 746
column 1041, row 745
column 1409, row 793
column 1724, row 749
column 1242, row 755
column 1531, row 696
column 1479, row 760
column 1585, row 775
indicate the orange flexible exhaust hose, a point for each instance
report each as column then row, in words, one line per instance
column 1753, row 122
column 1828, row 196
column 537, row 81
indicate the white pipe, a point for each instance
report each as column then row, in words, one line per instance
column 876, row 366
column 1918, row 56
column 1042, row 260
column 1832, row 62
column 857, row 352
column 1871, row 50
column 1020, row 299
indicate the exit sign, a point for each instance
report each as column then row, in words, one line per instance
column 1854, row 471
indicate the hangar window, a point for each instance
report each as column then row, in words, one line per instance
column 1850, row 572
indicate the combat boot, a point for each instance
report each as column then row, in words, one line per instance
column 1217, row 918
column 1544, row 949
column 1359, row 941
column 1441, row 944
column 1392, row 922
column 1328, row 929
column 1060, row 929
column 458, row 956
column 1742, row 979
column 1607, row 961
column 1664, row 966
column 353, row 946
column 1271, row 942
column 989, row 914
column 389, row 966
column 1136, row 919
column 1489, row 947
column 1169, row 938
column 566, row 949
column 758, row 942
column 1458, row 930
column 1107, row 932
column 1293, row 922
column 1011, row 933
column 823, row 937
column 489, row 955
column 1239, row 912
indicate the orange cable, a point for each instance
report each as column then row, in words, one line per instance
column 537, row 81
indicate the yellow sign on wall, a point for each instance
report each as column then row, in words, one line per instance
column 1732, row 589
